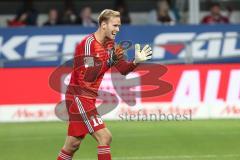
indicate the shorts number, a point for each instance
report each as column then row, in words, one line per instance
column 97, row 121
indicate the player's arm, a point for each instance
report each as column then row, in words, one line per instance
column 118, row 61
column 143, row 55
column 125, row 67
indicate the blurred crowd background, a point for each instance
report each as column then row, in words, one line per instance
column 20, row 13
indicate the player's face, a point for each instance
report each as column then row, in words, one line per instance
column 112, row 27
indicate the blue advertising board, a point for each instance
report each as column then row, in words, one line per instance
column 50, row 46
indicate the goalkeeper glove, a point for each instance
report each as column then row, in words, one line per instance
column 142, row 55
column 115, row 55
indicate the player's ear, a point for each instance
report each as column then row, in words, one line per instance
column 104, row 25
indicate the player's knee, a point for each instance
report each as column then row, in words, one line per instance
column 72, row 146
column 75, row 146
column 105, row 139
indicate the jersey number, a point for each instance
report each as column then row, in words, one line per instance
column 97, row 121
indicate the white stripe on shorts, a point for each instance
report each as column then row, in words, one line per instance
column 83, row 114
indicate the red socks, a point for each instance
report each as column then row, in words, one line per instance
column 63, row 155
column 104, row 153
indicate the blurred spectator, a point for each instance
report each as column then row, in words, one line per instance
column 30, row 11
column 174, row 10
column 215, row 16
column 85, row 17
column 162, row 15
column 122, row 7
column 53, row 18
column 18, row 21
column 68, row 17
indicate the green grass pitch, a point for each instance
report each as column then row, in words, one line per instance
column 190, row 140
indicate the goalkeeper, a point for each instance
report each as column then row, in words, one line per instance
column 94, row 55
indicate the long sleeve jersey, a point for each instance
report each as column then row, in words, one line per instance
column 90, row 63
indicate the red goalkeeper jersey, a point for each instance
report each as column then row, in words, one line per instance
column 90, row 63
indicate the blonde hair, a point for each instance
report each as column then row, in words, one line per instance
column 106, row 14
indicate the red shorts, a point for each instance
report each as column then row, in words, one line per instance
column 83, row 116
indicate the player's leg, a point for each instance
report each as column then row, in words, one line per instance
column 104, row 139
column 70, row 147
column 72, row 144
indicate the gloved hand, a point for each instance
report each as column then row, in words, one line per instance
column 142, row 55
column 116, row 54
